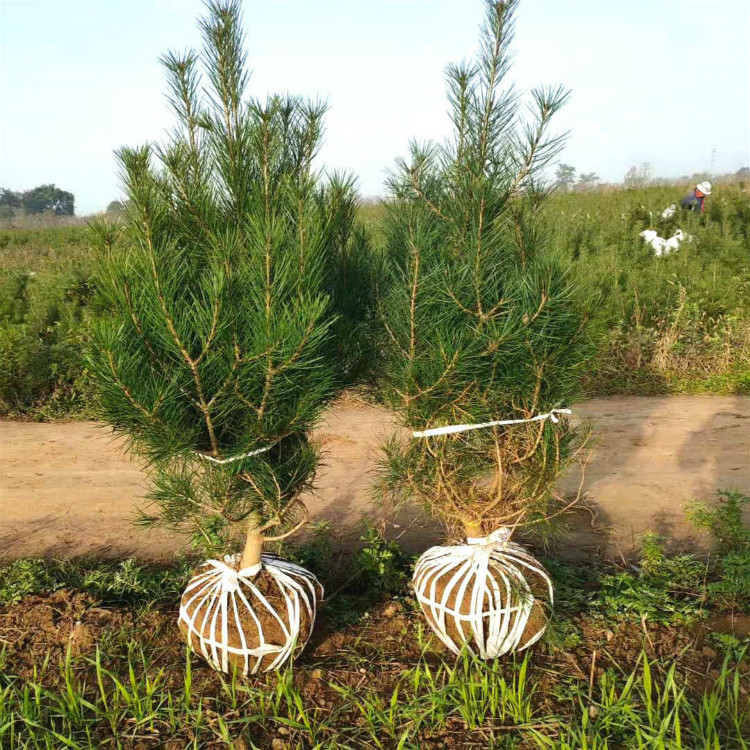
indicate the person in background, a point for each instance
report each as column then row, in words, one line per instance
column 694, row 200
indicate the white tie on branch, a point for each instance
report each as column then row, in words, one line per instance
column 478, row 595
column 231, row 459
column 451, row 429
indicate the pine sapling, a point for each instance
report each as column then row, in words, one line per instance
column 215, row 352
column 481, row 323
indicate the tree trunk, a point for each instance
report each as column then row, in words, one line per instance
column 253, row 547
column 473, row 529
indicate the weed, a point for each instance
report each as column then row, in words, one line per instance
column 126, row 583
column 724, row 522
column 22, row 577
column 665, row 589
column 382, row 562
column 730, row 645
column 732, row 589
column 731, row 541
column 317, row 553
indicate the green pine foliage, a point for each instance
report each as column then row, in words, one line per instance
column 218, row 294
column 480, row 320
column 44, row 323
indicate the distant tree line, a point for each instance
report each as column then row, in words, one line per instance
column 566, row 180
column 116, row 207
column 637, row 176
column 39, row 200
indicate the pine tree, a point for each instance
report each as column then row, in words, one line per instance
column 215, row 348
column 480, row 321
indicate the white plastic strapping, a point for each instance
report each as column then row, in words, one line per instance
column 231, row 459
column 451, row 429
column 223, row 594
column 488, row 574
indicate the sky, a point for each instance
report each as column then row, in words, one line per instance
column 659, row 81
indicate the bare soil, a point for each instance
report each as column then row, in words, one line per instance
column 68, row 489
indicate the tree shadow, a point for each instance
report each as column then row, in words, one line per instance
column 621, row 429
column 717, row 452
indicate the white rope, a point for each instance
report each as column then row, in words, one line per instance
column 488, row 574
column 214, row 597
column 498, row 536
column 229, row 460
column 451, row 429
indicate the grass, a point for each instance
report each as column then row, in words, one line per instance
column 138, row 690
column 450, row 705
column 92, row 658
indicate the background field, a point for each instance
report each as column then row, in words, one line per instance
column 679, row 324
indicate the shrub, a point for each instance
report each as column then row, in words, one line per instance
column 44, row 325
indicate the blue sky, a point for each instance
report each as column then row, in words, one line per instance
column 663, row 81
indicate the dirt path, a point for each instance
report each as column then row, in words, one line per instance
column 68, row 489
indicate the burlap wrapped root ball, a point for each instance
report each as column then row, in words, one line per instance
column 488, row 595
column 251, row 620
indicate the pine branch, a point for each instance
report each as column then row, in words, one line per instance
column 201, row 403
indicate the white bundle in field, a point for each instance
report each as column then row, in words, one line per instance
column 662, row 246
column 251, row 619
column 669, row 212
column 488, row 595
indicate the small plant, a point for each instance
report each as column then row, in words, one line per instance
column 28, row 575
column 215, row 352
column 667, row 589
column 127, row 582
column 731, row 541
column 731, row 646
column 317, row 553
column 382, row 562
column 732, row 589
column 724, row 522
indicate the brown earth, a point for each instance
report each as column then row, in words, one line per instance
column 68, row 489
column 336, row 664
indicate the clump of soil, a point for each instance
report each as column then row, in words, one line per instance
column 51, row 624
column 267, row 626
